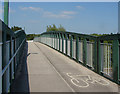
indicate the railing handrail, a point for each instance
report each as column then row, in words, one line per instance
column 72, row 33
column 6, row 29
column 104, row 37
column 11, row 54
column 103, row 47
column 6, row 67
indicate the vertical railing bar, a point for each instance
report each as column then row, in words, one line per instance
column 77, row 48
column 71, row 47
column 62, row 43
column 66, row 38
column 115, row 58
column 10, row 58
column 84, row 52
column 108, row 60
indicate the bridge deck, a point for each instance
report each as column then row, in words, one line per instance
column 47, row 70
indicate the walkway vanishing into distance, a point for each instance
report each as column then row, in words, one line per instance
column 47, row 70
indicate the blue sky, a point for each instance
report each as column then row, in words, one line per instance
column 86, row 18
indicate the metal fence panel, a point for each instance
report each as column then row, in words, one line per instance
column 68, row 47
column 74, row 49
column 90, row 54
column 58, row 44
column 55, row 43
column 61, row 45
column 97, row 55
column 64, row 46
column 12, row 69
column 81, row 51
column 106, row 59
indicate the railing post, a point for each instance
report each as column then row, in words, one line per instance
column 11, row 57
column 54, row 41
column 99, row 57
column 84, row 51
column 0, row 67
column 59, row 41
column 62, row 43
column 51, row 41
column 71, row 47
column 3, row 60
column 66, row 38
column 15, row 57
column 115, row 58
column 95, row 63
column 119, row 62
column 77, row 48
column 1, row 57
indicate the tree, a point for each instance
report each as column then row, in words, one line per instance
column 15, row 28
column 54, row 28
column 61, row 28
column 32, row 36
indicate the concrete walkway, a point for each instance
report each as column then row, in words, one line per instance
column 47, row 70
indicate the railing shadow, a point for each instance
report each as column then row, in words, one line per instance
column 21, row 82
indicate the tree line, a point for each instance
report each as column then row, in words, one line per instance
column 49, row 29
column 54, row 28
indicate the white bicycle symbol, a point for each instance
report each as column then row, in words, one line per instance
column 84, row 80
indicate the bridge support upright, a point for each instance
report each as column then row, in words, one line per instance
column 63, row 43
column 99, row 57
column 56, row 41
column 71, row 46
column 115, row 57
column 66, row 38
column 59, row 41
column 77, row 48
column 95, row 63
column 84, row 51
column 1, row 57
column 11, row 53
column 4, row 59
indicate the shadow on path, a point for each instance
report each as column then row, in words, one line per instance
column 21, row 82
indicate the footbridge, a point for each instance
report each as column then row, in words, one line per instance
column 59, row 62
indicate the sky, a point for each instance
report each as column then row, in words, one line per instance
column 79, row 17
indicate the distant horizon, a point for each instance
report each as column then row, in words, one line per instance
column 78, row 17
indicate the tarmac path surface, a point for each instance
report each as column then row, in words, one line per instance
column 47, row 70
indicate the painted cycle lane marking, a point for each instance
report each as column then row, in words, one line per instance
column 85, row 80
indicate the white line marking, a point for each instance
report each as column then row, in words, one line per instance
column 57, row 71
column 74, row 78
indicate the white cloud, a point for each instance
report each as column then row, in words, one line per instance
column 79, row 7
column 31, row 8
column 63, row 14
column 50, row 14
column 68, row 12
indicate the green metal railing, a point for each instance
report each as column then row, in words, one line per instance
column 11, row 49
column 100, row 54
